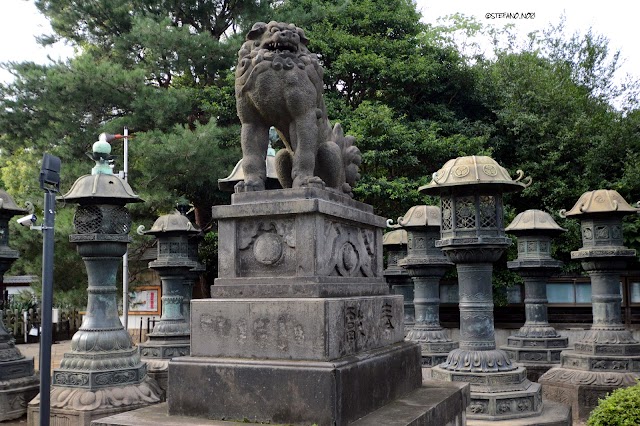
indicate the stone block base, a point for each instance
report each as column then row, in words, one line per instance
column 497, row 395
column 581, row 389
column 14, row 399
column 433, row 404
column 293, row 392
column 553, row 414
column 309, row 329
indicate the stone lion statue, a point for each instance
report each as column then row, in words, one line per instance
column 279, row 83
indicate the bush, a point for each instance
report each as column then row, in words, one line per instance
column 620, row 408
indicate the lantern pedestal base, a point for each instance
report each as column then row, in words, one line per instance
column 501, row 395
column 77, row 406
column 537, row 355
column 15, row 394
column 156, row 354
column 582, row 378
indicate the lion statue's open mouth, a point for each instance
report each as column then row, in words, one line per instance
column 279, row 83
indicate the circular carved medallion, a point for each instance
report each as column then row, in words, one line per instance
column 348, row 260
column 490, row 170
column 461, row 171
column 267, row 248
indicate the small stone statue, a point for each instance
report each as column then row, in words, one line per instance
column 279, row 83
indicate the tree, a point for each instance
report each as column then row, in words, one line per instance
column 161, row 69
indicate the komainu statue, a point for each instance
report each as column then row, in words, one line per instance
column 279, row 83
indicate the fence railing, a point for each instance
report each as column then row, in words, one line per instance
column 25, row 325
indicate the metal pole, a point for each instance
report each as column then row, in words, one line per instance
column 125, row 257
column 47, row 305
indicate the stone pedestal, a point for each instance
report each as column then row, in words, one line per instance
column 301, row 328
column 306, row 331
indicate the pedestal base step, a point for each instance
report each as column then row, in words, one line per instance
column 293, row 392
column 582, row 389
column 553, row 414
column 433, row 404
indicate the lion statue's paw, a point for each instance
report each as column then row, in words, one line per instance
column 308, row 182
column 248, row 186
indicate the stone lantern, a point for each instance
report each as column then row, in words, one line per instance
column 607, row 356
column 426, row 264
column 170, row 336
column 395, row 244
column 18, row 383
column 103, row 374
column 472, row 236
column 537, row 345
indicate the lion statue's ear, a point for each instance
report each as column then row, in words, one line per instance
column 256, row 31
column 303, row 39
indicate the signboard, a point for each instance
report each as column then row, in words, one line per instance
column 145, row 300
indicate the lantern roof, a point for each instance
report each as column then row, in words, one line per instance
column 421, row 216
column 600, row 201
column 474, row 170
column 396, row 237
column 8, row 206
column 173, row 223
column 534, row 221
column 237, row 174
column 102, row 188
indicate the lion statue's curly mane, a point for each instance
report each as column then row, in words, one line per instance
column 279, row 83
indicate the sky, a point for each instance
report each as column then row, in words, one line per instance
column 20, row 23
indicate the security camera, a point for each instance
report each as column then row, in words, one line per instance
column 27, row 220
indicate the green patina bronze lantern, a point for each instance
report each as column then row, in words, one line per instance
column 170, row 336
column 426, row 264
column 473, row 237
column 607, row 356
column 103, row 373
column 536, row 344
column 18, row 382
column 395, row 244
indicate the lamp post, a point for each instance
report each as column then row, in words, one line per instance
column 607, row 356
column 427, row 265
column 537, row 345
